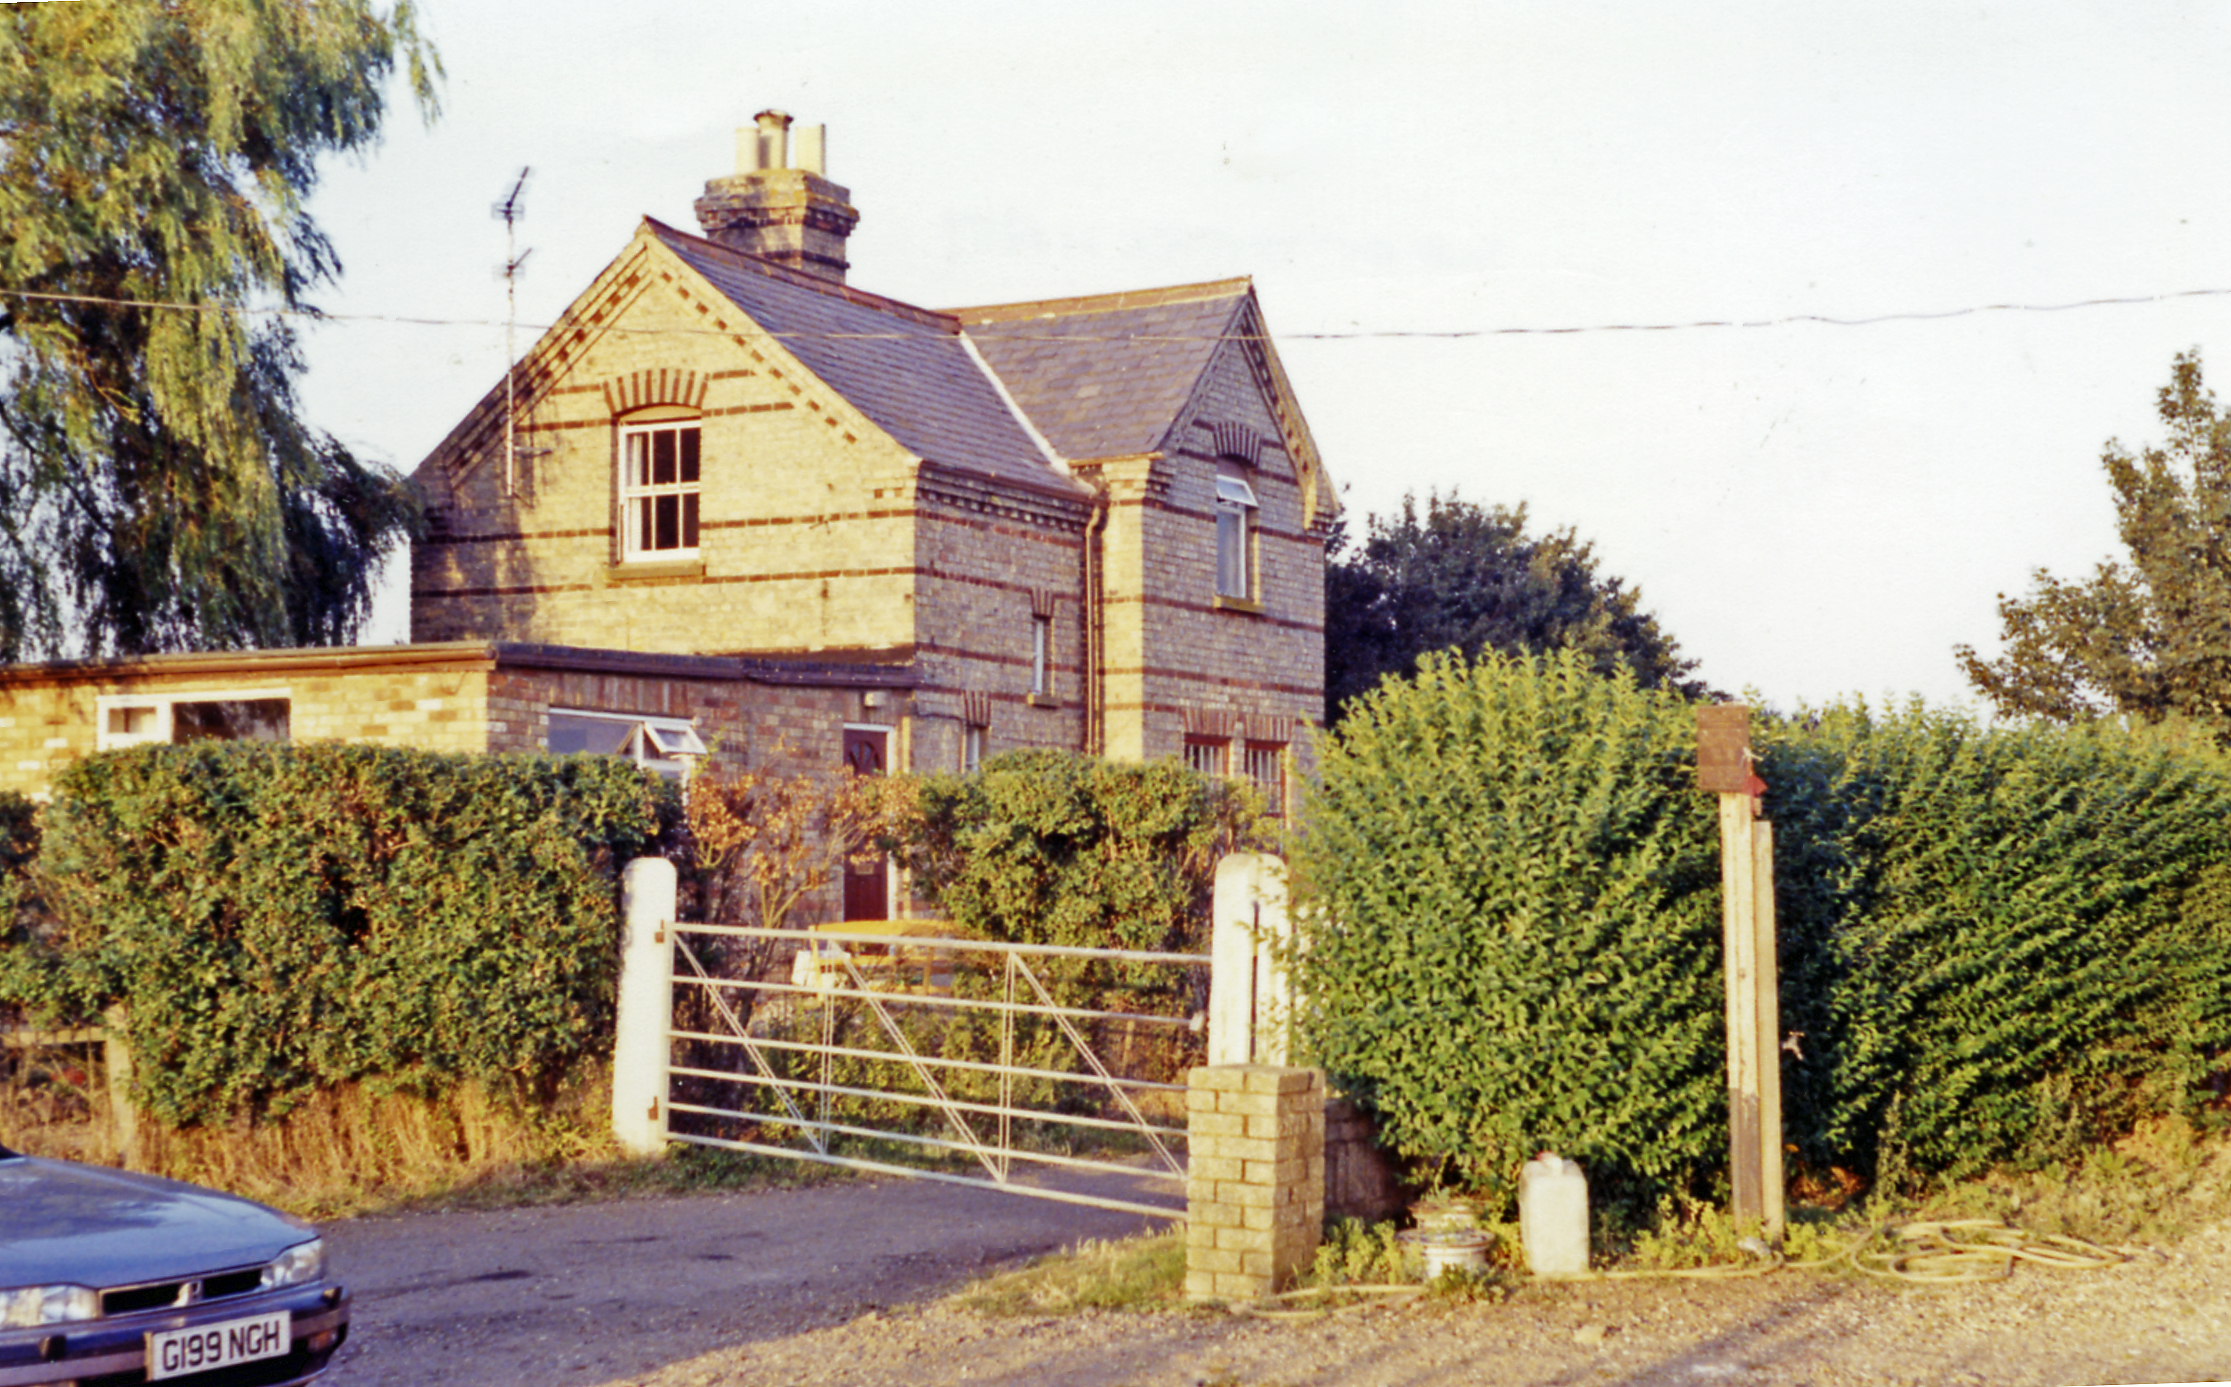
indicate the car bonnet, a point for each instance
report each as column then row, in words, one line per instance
column 62, row 1222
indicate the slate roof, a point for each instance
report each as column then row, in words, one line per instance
column 1106, row 376
column 905, row 368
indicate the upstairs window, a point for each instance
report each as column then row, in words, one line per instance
column 1235, row 512
column 1041, row 654
column 659, row 466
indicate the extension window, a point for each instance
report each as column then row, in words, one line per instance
column 660, row 472
column 668, row 746
column 253, row 715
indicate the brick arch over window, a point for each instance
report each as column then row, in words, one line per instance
column 1236, row 441
column 645, row 389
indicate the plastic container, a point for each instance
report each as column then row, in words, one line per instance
column 1553, row 1216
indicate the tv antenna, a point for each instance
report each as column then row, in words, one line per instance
column 509, row 212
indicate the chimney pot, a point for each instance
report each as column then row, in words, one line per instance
column 789, row 214
column 774, row 139
column 813, row 149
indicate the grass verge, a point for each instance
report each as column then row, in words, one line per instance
column 352, row 1151
column 1142, row 1273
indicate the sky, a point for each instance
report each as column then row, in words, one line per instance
column 1813, row 511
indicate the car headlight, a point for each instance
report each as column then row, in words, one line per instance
column 300, row 1263
column 28, row 1307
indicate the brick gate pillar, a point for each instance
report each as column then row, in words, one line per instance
column 1255, row 1180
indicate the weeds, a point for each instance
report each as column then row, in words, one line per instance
column 1144, row 1273
column 352, row 1151
column 2155, row 1185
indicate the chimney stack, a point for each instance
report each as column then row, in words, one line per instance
column 778, row 207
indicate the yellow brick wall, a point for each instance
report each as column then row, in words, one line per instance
column 45, row 724
column 1172, row 647
column 806, row 534
column 1255, row 1178
column 820, row 534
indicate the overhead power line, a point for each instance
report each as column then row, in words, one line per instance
column 1359, row 334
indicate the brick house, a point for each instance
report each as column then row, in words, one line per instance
column 729, row 503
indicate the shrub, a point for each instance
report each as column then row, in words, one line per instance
column 1999, row 942
column 1511, row 915
column 1049, row 847
column 1995, row 944
column 284, row 919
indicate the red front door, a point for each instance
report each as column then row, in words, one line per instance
column 867, row 884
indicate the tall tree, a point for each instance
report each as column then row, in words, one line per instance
column 1468, row 577
column 2151, row 637
column 158, row 488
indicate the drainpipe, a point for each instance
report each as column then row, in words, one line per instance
column 1096, row 693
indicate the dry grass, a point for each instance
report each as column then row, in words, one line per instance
column 1143, row 1273
column 354, row 1151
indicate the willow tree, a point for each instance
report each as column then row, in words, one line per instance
column 2150, row 638
column 159, row 489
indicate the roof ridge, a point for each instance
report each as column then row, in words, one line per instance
column 928, row 317
column 1106, row 303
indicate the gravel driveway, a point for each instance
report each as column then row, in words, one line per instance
column 2163, row 1320
column 840, row 1283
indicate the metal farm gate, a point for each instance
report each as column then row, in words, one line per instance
column 986, row 1056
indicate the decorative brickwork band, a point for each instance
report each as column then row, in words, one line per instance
column 1255, row 1178
column 642, row 389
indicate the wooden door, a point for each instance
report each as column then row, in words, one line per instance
column 867, row 884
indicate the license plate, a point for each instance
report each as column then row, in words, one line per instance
column 177, row 1352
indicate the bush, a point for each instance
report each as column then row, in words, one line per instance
column 284, row 919
column 2000, row 943
column 19, row 848
column 1996, row 944
column 1511, row 914
column 1049, row 847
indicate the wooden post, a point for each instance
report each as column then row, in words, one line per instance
column 1768, row 1029
column 1754, row 1078
column 1739, row 919
column 116, row 1063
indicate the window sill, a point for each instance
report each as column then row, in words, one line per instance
column 645, row 571
column 1042, row 700
column 1238, row 604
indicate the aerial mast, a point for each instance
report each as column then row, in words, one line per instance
column 509, row 211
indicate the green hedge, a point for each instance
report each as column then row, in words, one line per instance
column 280, row 919
column 2000, row 943
column 1997, row 943
column 1525, row 954
column 1049, row 847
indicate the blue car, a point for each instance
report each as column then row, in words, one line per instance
column 109, row 1278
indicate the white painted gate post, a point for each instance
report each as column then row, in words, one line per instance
column 1250, row 997
column 646, row 1006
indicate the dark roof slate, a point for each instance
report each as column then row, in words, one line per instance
column 903, row 367
column 1106, row 376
